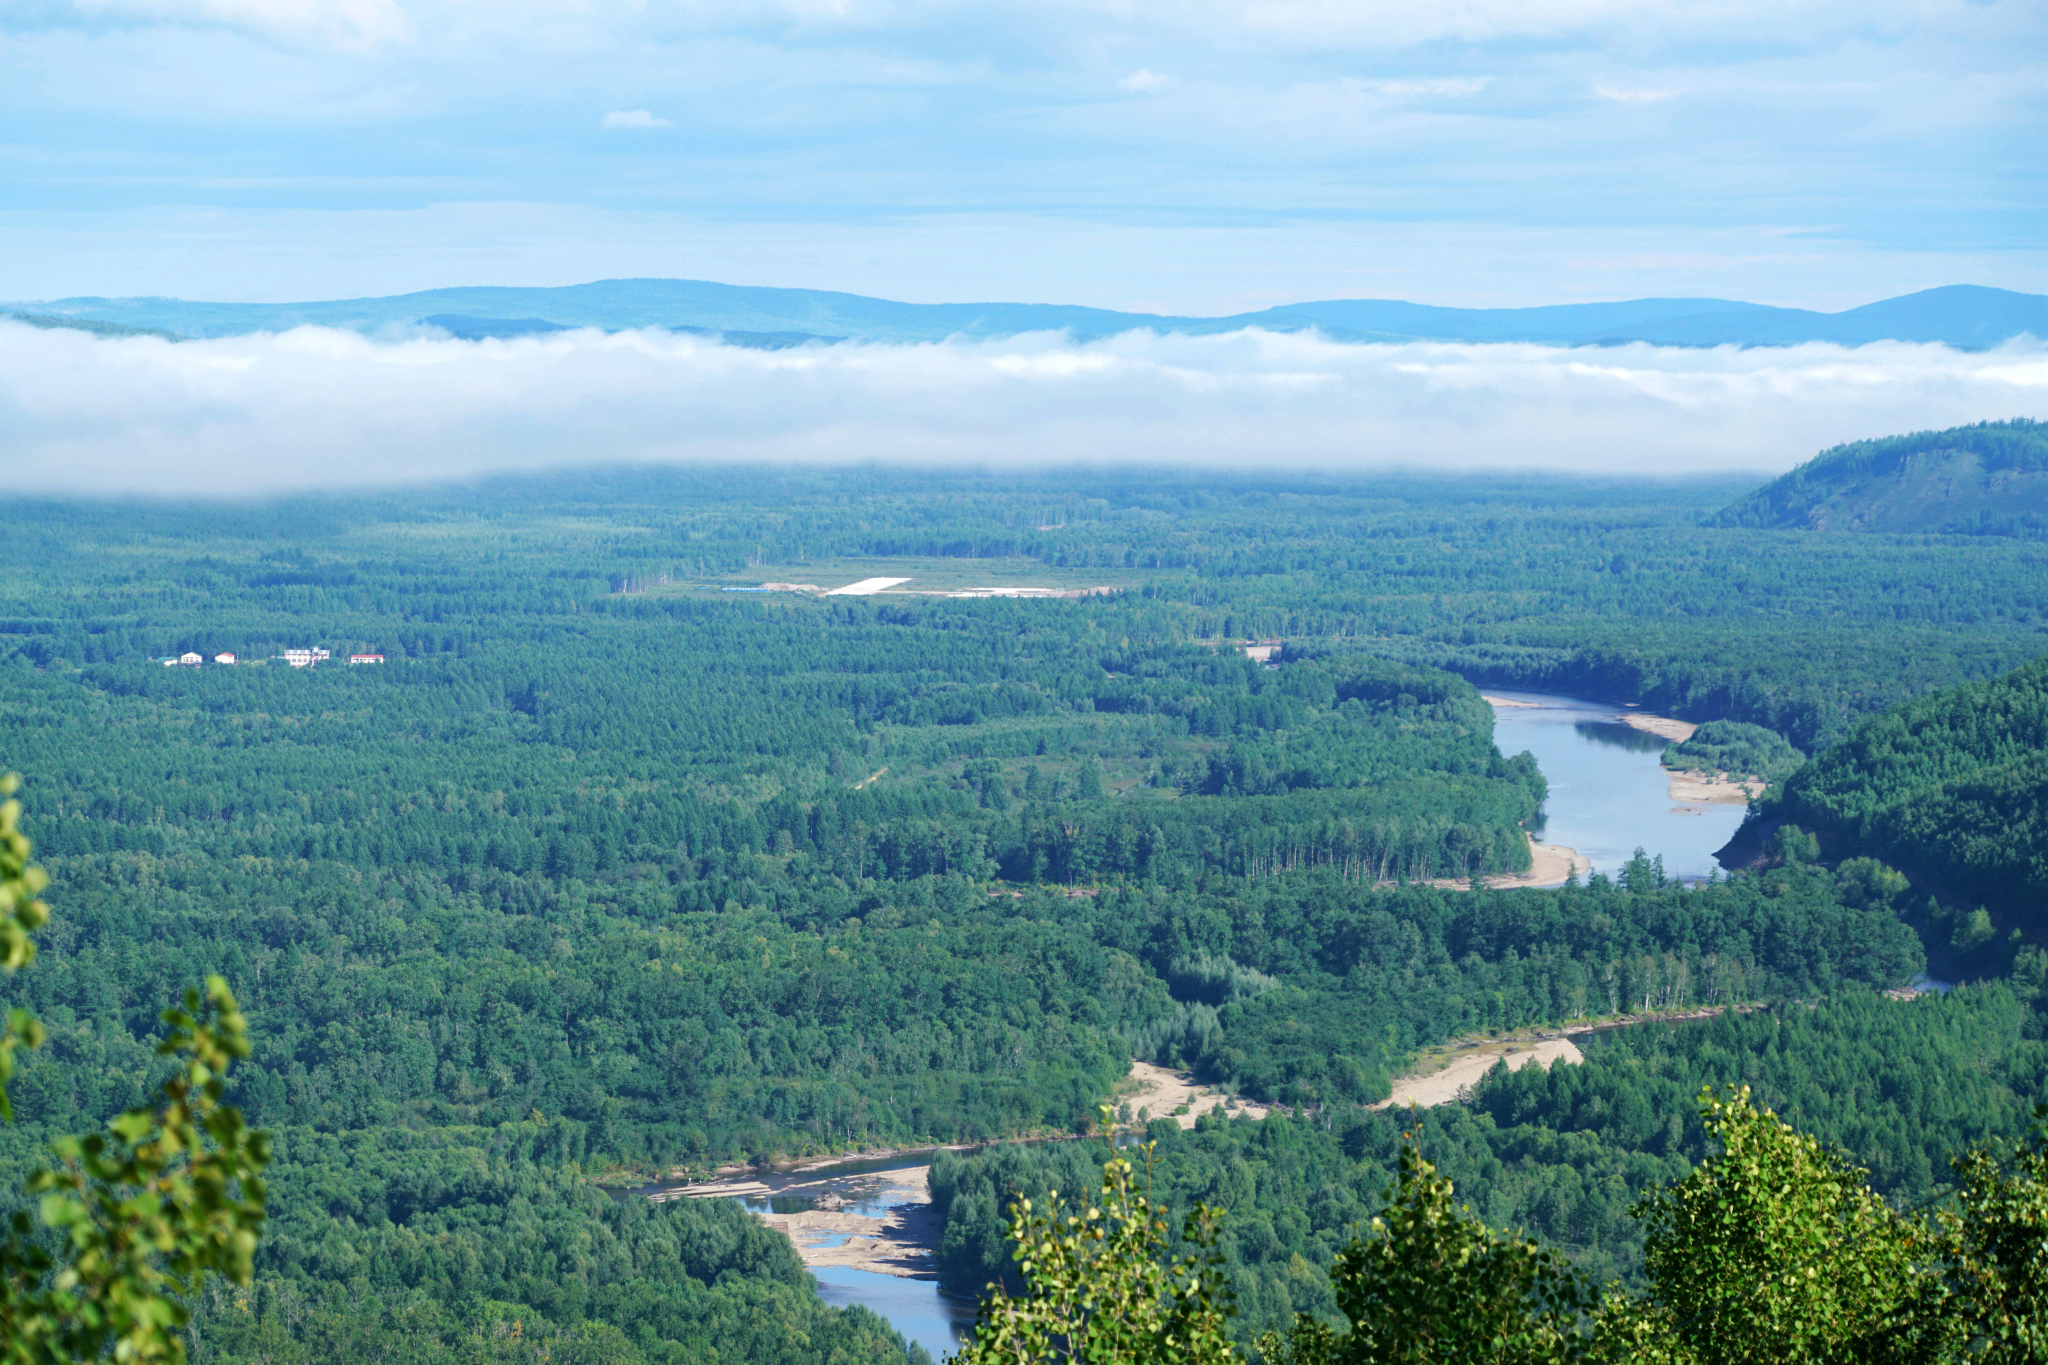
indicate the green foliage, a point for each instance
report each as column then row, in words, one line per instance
column 1559, row 1154
column 1898, row 1084
column 604, row 873
column 1287, row 1193
column 21, row 915
column 1100, row 1287
column 451, row 1245
column 1992, row 1301
column 144, row 1212
column 1738, row 748
column 1429, row 1284
column 1773, row 1249
column 1953, row 785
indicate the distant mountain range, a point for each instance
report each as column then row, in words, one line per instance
column 1991, row 478
column 82, row 324
column 1965, row 316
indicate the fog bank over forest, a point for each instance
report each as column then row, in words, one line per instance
column 314, row 408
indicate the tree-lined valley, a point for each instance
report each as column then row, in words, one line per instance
column 608, row 874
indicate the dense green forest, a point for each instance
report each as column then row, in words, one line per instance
column 1899, row 1085
column 1953, row 787
column 1736, row 747
column 1612, row 589
column 455, row 1244
column 609, row 871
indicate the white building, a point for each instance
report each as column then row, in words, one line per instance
column 190, row 660
column 366, row 658
column 223, row 658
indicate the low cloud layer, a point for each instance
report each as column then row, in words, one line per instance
column 324, row 409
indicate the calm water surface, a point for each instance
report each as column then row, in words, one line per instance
column 1609, row 793
column 919, row 1309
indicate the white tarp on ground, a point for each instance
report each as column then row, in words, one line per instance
column 865, row 586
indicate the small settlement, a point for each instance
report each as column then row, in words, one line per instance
column 297, row 658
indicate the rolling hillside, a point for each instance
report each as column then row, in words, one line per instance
column 1990, row 478
column 1953, row 785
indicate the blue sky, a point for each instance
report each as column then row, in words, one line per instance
column 1191, row 156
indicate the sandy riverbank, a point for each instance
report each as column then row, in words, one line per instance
column 1503, row 701
column 882, row 1222
column 1158, row 1092
column 1549, row 865
column 1444, row 1072
column 1663, row 727
column 1443, row 1087
column 1690, row 786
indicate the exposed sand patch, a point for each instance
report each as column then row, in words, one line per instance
column 1721, row 789
column 1503, row 701
column 1465, row 1069
column 1158, row 1092
column 1442, row 1072
column 1690, row 786
column 1549, row 865
column 883, row 1220
column 1664, row 727
column 896, row 1238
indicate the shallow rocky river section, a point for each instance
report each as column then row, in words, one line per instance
column 879, row 1221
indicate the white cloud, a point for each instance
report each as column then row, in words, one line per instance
column 634, row 118
column 1607, row 92
column 1366, row 24
column 347, row 23
column 315, row 408
column 1398, row 23
column 1455, row 87
column 1144, row 81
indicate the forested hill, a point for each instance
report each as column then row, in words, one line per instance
column 1955, row 785
column 1986, row 479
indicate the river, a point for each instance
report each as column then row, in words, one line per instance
column 1609, row 793
column 852, row 1191
column 1608, row 797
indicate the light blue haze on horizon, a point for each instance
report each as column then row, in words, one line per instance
column 1194, row 158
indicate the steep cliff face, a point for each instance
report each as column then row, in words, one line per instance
column 1987, row 479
